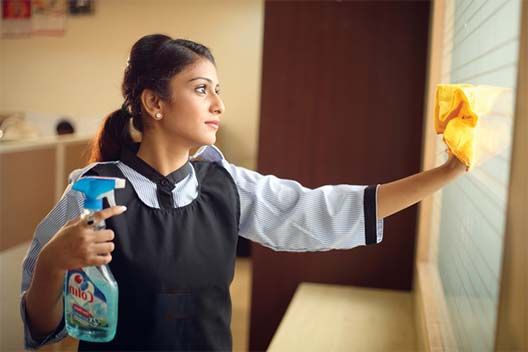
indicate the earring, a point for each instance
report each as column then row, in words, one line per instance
column 158, row 116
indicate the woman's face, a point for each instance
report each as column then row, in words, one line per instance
column 192, row 115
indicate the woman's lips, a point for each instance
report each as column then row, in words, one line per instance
column 214, row 124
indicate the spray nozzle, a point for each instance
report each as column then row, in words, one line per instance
column 95, row 188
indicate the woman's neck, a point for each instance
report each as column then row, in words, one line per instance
column 163, row 157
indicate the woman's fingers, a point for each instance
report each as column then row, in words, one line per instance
column 107, row 213
column 93, row 246
column 100, row 259
column 72, row 221
column 103, row 236
column 102, row 248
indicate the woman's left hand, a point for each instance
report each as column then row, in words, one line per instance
column 455, row 165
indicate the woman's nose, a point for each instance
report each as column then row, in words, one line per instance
column 218, row 106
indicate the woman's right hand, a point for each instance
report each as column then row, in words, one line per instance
column 78, row 244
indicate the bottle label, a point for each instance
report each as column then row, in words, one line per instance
column 86, row 306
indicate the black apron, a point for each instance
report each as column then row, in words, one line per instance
column 174, row 266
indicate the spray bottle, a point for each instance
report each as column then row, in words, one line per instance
column 91, row 293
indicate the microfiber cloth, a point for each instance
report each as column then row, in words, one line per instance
column 458, row 108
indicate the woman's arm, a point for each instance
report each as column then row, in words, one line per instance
column 400, row 194
column 75, row 245
column 44, row 298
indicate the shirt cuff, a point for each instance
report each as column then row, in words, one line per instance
column 30, row 343
column 373, row 225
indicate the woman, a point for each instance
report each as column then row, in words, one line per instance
column 173, row 250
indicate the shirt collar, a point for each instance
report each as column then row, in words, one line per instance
column 209, row 153
column 132, row 160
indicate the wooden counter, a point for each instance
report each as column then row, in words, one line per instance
column 33, row 175
column 324, row 317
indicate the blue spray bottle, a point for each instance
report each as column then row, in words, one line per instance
column 91, row 293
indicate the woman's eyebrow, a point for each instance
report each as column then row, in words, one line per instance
column 204, row 78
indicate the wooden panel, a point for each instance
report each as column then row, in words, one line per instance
column 342, row 100
column 512, row 330
column 432, row 320
column 71, row 155
column 26, row 193
column 427, row 232
column 76, row 156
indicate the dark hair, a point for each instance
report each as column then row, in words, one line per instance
column 154, row 60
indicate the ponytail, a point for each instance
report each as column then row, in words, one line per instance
column 113, row 135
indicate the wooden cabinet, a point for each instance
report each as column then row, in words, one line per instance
column 33, row 175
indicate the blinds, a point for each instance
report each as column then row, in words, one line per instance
column 481, row 40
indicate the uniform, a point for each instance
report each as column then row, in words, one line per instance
column 176, row 243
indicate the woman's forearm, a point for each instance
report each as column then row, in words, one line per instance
column 44, row 306
column 400, row 194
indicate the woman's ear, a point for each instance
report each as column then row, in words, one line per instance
column 151, row 103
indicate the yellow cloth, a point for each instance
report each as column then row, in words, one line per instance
column 458, row 108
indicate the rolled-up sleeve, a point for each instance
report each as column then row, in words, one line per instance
column 31, row 343
column 285, row 216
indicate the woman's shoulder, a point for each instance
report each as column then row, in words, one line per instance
column 209, row 153
column 209, row 159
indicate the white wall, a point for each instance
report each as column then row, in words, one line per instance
column 11, row 333
column 80, row 73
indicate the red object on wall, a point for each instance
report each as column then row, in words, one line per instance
column 12, row 9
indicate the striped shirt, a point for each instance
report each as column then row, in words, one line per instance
column 278, row 213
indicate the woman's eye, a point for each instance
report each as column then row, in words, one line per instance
column 203, row 90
